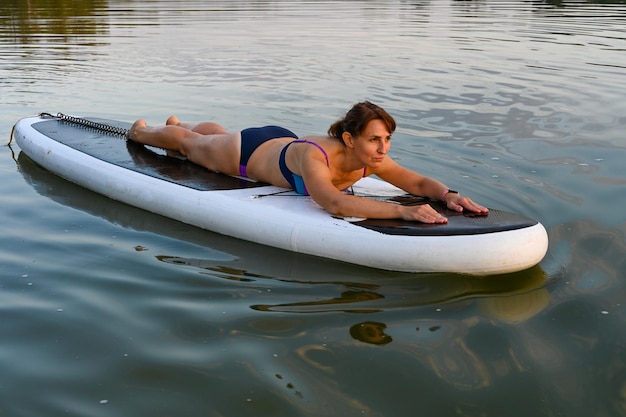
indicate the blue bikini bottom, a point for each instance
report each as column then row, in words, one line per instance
column 254, row 137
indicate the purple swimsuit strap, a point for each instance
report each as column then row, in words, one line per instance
column 315, row 144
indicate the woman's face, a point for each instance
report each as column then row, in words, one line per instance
column 373, row 144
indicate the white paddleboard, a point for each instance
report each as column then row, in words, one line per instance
column 98, row 158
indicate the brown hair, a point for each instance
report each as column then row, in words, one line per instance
column 358, row 117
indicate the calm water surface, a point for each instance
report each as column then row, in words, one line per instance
column 107, row 310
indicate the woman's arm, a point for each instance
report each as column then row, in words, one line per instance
column 318, row 180
column 420, row 185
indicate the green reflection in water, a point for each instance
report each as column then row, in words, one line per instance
column 34, row 21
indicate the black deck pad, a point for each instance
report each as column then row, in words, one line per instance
column 458, row 223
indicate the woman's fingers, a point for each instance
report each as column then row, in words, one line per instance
column 424, row 213
column 466, row 203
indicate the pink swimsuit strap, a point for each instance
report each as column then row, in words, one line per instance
column 323, row 151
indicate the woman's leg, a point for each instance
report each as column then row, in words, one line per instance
column 215, row 151
column 173, row 133
column 204, row 128
column 164, row 137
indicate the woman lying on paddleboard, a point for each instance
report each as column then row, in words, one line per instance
column 321, row 166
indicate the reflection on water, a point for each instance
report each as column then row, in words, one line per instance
column 109, row 310
column 371, row 332
column 360, row 284
column 51, row 34
column 34, row 21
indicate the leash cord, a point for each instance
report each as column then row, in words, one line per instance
column 103, row 127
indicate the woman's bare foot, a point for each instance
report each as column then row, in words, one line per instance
column 172, row 120
column 138, row 126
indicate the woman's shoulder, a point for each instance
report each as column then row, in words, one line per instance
column 316, row 138
column 326, row 142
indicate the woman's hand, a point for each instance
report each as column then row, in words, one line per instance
column 456, row 202
column 423, row 213
column 426, row 214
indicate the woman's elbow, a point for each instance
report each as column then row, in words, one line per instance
column 335, row 208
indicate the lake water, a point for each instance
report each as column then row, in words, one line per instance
column 107, row 310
